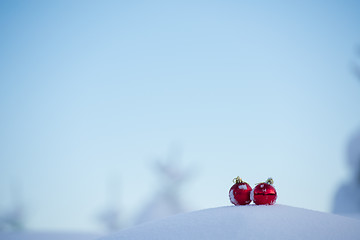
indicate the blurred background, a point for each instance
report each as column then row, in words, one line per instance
column 118, row 112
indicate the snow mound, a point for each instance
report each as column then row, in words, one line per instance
column 246, row 222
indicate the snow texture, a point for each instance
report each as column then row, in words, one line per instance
column 246, row 222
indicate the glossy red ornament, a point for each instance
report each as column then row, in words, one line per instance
column 239, row 193
column 264, row 193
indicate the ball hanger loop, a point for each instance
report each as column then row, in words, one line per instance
column 237, row 180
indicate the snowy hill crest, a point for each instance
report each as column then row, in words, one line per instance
column 246, row 222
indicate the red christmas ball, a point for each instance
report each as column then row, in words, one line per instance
column 240, row 192
column 264, row 193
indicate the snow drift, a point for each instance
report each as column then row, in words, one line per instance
column 246, row 222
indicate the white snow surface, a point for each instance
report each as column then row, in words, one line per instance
column 278, row 222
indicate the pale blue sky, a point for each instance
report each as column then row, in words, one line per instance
column 92, row 92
